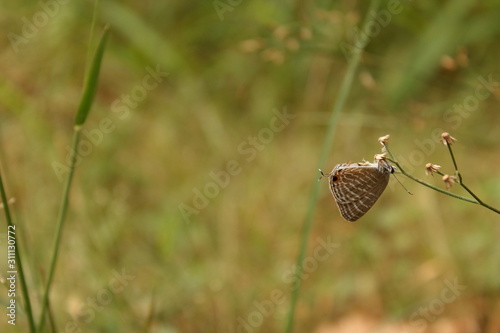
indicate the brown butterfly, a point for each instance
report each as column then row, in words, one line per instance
column 357, row 186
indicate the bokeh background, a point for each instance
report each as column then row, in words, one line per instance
column 421, row 263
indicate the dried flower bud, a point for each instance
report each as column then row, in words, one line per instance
column 382, row 164
column 251, row 45
column 449, row 180
column 305, row 33
column 275, row 56
column 383, row 139
column 447, row 139
column 281, row 32
column 431, row 168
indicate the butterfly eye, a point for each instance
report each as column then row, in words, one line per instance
column 334, row 178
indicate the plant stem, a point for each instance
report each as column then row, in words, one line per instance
column 90, row 86
column 476, row 201
column 326, row 149
column 22, row 279
column 460, row 179
column 431, row 186
column 453, row 158
column 60, row 224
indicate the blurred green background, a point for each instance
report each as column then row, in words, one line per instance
column 224, row 263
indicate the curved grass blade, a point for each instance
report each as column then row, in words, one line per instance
column 85, row 104
column 22, row 279
column 91, row 81
column 325, row 150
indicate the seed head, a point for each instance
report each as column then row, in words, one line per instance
column 383, row 139
column 430, row 169
column 380, row 157
column 447, row 139
column 449, row 180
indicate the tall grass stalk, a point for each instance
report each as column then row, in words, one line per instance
column 325, row 151
column 90, row 87
column 19, row 265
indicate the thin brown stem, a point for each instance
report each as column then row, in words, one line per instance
column 459, row 176
column 456, row 196
column 453, row 158
column 461, row 182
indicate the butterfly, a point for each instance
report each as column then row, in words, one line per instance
column 357, row 186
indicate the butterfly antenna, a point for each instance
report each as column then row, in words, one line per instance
column 322, row 174
column 402, row 184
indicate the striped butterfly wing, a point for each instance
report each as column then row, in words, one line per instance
column 356, row 188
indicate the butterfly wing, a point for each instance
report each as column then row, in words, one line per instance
column 356, row 189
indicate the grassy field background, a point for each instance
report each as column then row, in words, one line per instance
column 187, row 207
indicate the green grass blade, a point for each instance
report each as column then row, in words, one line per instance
column 327, row 147
column 24, row 286
column 91, row 34
column 85, row 104
column 60, row 224
column 91, row 81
